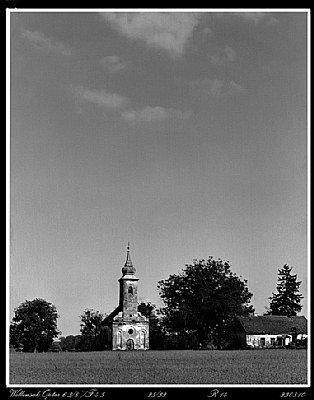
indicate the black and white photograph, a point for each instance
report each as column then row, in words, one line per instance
column 158, row 200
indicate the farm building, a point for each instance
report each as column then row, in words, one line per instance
column 268, row 330
column 129, row 328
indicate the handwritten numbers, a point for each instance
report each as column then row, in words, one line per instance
column 157, row 394
column 93, row 393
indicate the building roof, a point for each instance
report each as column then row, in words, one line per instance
column 108, row 320
column 273, row 324
column 128, row 268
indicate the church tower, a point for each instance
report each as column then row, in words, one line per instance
column 130, row 329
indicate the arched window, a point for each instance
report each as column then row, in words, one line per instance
column 130, row 290
column 119, row 339
column 142, row 339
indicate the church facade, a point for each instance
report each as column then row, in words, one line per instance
column 130, row 329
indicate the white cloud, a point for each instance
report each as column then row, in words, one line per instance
column 101, row 97
column 169, row 31
column 256, row 17
column 115, row 102
column 206, row 31
column 235, row 87
column 223, row 57
column 148, row 114
column 215, row 87
column 41, row 42
column 113, row 64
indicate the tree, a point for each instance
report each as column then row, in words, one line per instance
column 156, row 334
column 67, row 343
column 77, row 342
column 202, row 301
column 94, row 336
column 147, row 309
column 287, row 300
column 55, row 347
column 34, row 326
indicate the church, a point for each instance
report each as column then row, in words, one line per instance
column 130, row 329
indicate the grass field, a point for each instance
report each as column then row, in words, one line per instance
column 161, row 367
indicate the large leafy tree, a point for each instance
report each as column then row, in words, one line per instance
column 287, row 299
column 94, row 336
column 34, row 326
column 156, row 334
column 202, row 300
column 67, row 343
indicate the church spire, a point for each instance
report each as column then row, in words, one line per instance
column 128, row 262
column 128, row 268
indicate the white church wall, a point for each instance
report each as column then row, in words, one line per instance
column 136, row 330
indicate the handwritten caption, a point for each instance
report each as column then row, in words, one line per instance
column 217, row 393
column 52, row 394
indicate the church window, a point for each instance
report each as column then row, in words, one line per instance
column 142, row 338
column 130, row 331
column 130, row 290
column 119, row 339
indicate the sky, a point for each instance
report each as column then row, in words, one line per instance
column 184, row 133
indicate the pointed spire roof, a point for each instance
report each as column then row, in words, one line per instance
column 128, row 268
column 128, row 262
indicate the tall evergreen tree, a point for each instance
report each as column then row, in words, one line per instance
column 287, row 300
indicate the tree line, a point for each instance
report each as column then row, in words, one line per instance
column 200, row 304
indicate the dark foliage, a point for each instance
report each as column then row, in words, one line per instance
column 201, row 302
column 68, row 343
column 287, row 299
column 94, row 336
column 156, row 333
column 34, row 326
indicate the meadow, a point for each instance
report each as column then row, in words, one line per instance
column 277, row 366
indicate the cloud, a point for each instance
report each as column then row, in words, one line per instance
column 116, row 103
column 148, row 114
column 255, row 17
column 235, row 87
column 101, row 97
column 113, row 64
column 225, row 56
column 41, row 42
column 169, row 31
column 206, row 31
column 215, row 87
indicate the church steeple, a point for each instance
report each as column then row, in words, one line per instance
column 128, row 287
column 128, row 268
column 128, row 262
column 130, row 328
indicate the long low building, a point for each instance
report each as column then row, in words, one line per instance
column 269, row 330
